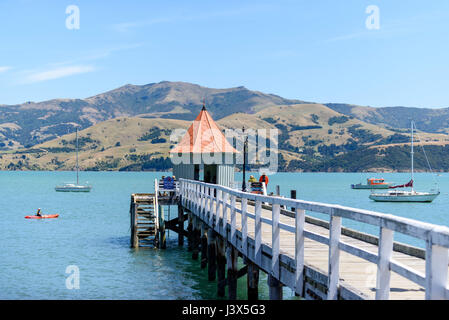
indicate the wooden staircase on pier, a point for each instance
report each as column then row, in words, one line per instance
column 144, row 220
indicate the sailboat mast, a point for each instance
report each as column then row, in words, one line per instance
column 77, row 156
column 412, row 153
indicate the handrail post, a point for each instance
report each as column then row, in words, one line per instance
column 233, row 222
column 155, row 203
column 206, row 202
column 211, row 207
column 244, row 226
column 299, row 250
column 383, row 266
column 196, row 199
column 264, row 190
column 258, row 233
column 436, row 271
column 203, row 199
column 334, row 257
column 217, row 211
column 275, row 241
column 225, row 214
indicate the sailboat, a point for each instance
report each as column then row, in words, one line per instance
column 74, row 187
column 406, row 196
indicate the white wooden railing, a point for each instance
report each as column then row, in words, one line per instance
column 212, row 202
column 156, row 203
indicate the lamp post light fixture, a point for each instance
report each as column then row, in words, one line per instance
column 245, row 151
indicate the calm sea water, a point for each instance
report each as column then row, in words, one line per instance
column 92, row 233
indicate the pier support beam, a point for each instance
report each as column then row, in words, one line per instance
column 275, row 288
column 253, row 281
column 180, row 226
column 196, row 239
column 293, row 196
column 211, row 255
column 204, row 230
column 133, row 212
column 190, row 232
column 232, row 257
column 221, row 267
column 162, row 236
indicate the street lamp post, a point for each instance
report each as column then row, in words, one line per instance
column 245, row 151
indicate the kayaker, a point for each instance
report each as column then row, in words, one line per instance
column 38, row 213
column 252, row 179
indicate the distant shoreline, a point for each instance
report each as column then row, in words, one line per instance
column 249, row 171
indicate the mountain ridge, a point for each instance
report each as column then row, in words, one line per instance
column 312, row 136
column 174, row 100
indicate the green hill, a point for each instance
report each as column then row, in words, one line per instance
column 426, row 119
column 312, row 137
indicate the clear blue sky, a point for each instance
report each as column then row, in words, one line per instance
column 318, row 50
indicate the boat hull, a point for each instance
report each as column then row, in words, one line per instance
column 73, row 189
column 419, row 197
column 44, row 216
column 366, row 186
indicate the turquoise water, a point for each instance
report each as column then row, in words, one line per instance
column 92, row 233
column 335, row 188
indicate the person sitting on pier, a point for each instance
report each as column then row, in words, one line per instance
column 38, row 213
column 168, row 183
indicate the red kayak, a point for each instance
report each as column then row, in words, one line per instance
column 44, row 216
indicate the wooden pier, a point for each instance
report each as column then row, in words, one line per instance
column 316, row 259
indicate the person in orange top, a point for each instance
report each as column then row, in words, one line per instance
column 264, row 178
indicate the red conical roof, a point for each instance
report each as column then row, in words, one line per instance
column 203, row 136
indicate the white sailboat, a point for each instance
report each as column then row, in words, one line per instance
column 406, row 196
column 74, row 187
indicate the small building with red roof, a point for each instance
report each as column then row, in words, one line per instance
column 204, row 153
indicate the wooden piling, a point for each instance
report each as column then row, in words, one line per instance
column 221, row 267
column 133, row 213
column 190, row 232
column 162, row 235
column 232, row 259
column 196, row 239
column 274, row 288
column 293, row 196
column 180, row 226
column 211, row 254
column 253, row 281
column 204, row 229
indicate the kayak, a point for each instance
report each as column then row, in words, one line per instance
column 44, row 216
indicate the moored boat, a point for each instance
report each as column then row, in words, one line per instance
column 406, row 196
column 74, row 187
column 372, row 183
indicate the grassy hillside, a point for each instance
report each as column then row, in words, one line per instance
column 428, row 120
column 109, row 145
column 312, row 137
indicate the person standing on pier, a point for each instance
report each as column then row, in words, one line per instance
column 264, row 178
